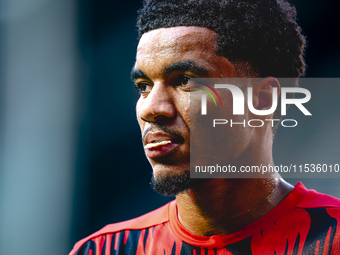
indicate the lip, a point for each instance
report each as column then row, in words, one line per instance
column 167, row 143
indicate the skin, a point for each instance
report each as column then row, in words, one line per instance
column 230, row 204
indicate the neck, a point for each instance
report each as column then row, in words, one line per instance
column 234, row 204
column 224, row 206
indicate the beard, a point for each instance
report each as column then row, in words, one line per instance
column 171, row 185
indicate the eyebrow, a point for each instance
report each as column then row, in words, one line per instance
column 187, row 65
column 137, row 73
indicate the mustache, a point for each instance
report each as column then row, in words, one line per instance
column 156, row 127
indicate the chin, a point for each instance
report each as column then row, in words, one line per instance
column 170, row 182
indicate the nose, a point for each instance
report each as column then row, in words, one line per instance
column 159, row 105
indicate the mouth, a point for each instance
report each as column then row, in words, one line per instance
column 155, row 144
column 159, row 144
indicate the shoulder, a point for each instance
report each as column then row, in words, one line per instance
column 153, row 218
column 322, row 209
column 313, row 199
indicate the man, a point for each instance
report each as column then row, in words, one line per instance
column 182, row 40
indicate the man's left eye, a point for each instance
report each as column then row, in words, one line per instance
column 184, row 81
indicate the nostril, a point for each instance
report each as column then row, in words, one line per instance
column 145, row 119
column 159, row 117
column 162, row 119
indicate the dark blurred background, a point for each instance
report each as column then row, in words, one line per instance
column 71, row 159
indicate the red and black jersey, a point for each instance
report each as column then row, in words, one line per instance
column 305, row 222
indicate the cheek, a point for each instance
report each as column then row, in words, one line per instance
column 184, row 106
column 138, row 104
column 138, row 107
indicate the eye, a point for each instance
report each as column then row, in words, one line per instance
column 184, row 81
column 143, row 87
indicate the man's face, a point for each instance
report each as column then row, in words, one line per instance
column 166, row 59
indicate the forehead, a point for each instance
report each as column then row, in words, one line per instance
column 168, row 44
column 177, row 38
column 160, row 48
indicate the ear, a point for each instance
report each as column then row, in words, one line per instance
column 263, row 92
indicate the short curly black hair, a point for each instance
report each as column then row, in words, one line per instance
column 262, row 33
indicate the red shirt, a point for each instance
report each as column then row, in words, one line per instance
column 305, row 222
